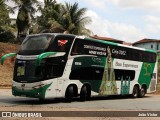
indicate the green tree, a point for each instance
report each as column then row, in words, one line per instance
column 4, row 13
column 65, row 18
column 74, row 20
column 26, row 11
column 49, row 12
column 6, row 30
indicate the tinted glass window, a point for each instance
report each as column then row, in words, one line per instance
column 88, row 47
column 124, row 74
column 93, row 73
column 85, row 47
column 35, row 44
column 87, row 73
column 39, row 42
column 24, row 71
column 28, row 72
column 61, row 44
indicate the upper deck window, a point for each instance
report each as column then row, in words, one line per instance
column 35, row 44
column 88, row 47
column 61, row 43
column 39, row 42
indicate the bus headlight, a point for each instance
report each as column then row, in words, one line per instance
column 38, row 86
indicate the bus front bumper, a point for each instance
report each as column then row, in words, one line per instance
column 33, row 93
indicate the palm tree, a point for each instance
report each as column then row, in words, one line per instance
column 26, row 11
column 6, row 30
column 49, row 12
column 64, row 18
column 73, row 20
column 4, row 13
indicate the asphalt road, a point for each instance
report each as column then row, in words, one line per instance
column 97, row 108
column 149, row 102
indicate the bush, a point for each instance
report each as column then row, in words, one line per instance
column 6, row 36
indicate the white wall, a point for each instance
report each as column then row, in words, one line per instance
column 148, row 45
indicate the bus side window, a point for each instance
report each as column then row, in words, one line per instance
column 77, row 47
column 75, row 50
column 60, row 44
column 124, row 74
column 87, row 73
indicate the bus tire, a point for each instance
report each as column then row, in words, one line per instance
column 83, row 94
column 142, row 92
column 69, row 94
column 135, row 92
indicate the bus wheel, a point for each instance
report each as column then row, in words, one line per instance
column 69, row 94
column 83, row 94
column 135, row 92
column 142, row 92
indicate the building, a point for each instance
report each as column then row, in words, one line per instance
column 148, row 44
column 110, row 40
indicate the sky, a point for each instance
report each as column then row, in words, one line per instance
column 127, row 20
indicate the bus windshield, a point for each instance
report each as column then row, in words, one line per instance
column 38, row 42
column 52, row 67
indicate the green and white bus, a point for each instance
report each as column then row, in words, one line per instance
column 51, row 65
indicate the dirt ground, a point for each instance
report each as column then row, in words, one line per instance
column 6, row 70
column 6, row 75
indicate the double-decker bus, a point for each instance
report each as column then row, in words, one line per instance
column 51, row 65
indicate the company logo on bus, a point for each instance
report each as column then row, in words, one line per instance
column 62, row 42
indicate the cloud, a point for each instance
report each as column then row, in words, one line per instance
column 126, row 32
column 98, row 26
column 121, row 31
column 149, row 5
column 152, row 24
column 101, row 4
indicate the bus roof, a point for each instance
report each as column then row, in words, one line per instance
column 56, row 34
column 97, row 40
column 117, row 44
